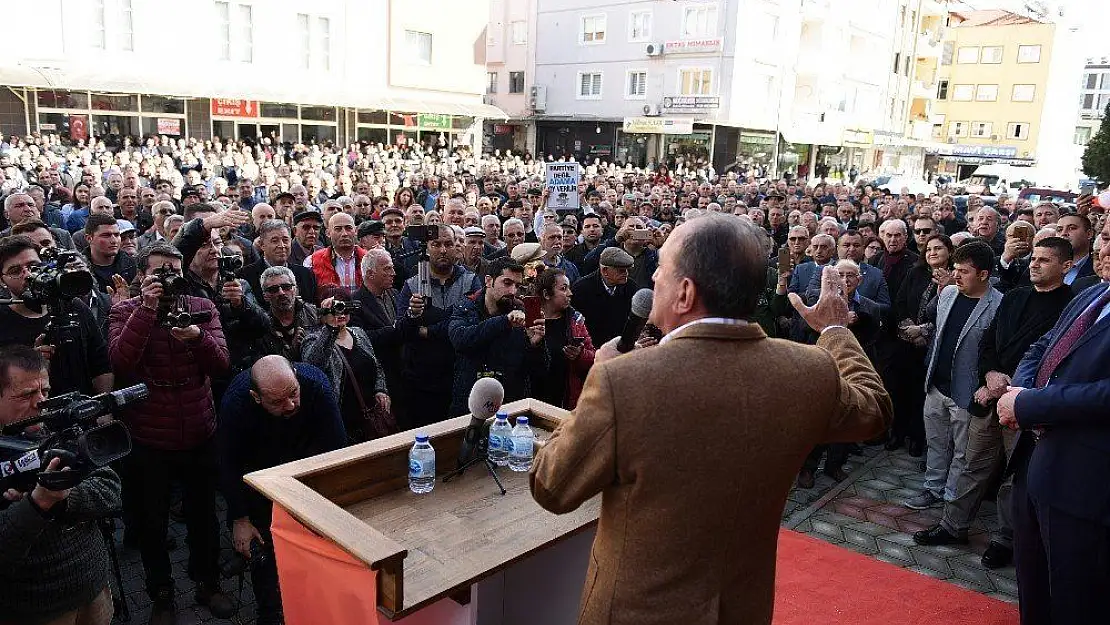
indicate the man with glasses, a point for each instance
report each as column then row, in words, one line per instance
column 157, row 233
column 306, row 236
column 78, row 364
column 923, row 228
column 291, row 319
column 275, row 244
column 363, row 208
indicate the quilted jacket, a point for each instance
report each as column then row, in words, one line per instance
column 178, row 414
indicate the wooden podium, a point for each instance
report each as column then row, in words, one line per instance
column 479, row 557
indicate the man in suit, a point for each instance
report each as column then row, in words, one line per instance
column 604, row 297
column 275, row 242
column 821, row 249
column 964, row 311
column 652, row 560
column 895, row 356
column 378, row 317
column 1078, row 230
column 871, row 284
column 1061, row 497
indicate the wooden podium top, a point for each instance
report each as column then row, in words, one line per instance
column 424, row 547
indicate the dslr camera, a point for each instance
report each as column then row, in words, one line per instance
column 173, row 309
column 68, row 432
column 229, row 266
column 422, row 234
column 340, row 307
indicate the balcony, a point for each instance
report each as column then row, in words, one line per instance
column 921, row 90
column 929, row 46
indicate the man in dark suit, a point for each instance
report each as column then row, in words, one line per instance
column 1061, row 496
column 652, row 561
column 895, row 357
column 275, row 242
column 604, row 297
column 1102, row 272
column 1078, row 230
column 378, row 317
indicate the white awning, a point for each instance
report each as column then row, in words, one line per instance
column 233, row 85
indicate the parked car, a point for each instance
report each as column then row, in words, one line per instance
column 1056, row 196
column 915, row 186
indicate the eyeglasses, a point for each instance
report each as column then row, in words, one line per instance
column 796, row 238
column 17, row 270
column 274, row 288
column 362, row 204
column 922, row 230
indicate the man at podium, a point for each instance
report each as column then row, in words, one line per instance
column 695, row 478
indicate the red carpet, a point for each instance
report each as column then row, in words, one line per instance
column 822, row 584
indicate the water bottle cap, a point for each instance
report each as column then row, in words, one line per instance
column 422, row 438
column 502, row 416
column 522, row 420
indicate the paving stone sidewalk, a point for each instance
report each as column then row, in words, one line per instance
column 864, row 513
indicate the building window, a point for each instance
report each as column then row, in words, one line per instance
column 986, row 93
column 99, row 34
column 1105, row 82
column 897, row 62
column 223, row 16
column 1082, row 135
column 593, row 29
column 589, row 85
column 1087, row 101
column 1029, row 54
column 942, row 89
column 1023, row 93
column 516, row 82
column 245, row 39
column 700, row 21
column 992, row 55
column 948, row 51
column 1103, row 100
column 1017, row 130
column 957, row 129
column 491, row 82
column 315, row 36
column 639, row 26
column 125, row 35
column 1091, row 81
column 698, row 81
column 637, row 85
column 968, row 55
column 963, row 93
column 418, row 45
column 981, row 130
column 236, row 27
column 305, row 31
column 520, row 33
column 323, row 42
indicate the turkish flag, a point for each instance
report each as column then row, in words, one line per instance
column 78, row 128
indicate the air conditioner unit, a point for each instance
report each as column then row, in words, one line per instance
column 951, row 139
column 651, row 110
column 654, row 49
column 537, row 98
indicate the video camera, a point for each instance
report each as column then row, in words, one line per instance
column 173, row 309
column 69, row 432
column 422, row 234
column 229, row 266
column 340, row 307
column 51, row 286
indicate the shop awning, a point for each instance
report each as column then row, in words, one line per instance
column 229, row 85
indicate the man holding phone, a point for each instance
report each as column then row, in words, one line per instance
column 634, row 238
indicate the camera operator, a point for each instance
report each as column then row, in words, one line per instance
column 54, row 563
column 80, row 364
column 173, row 431
column 274, row 413
column 428, row 358
column 242, row 319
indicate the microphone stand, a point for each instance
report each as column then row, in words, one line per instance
column 481, row 454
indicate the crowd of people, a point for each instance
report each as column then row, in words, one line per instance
column 339, row 295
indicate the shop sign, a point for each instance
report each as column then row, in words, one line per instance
column 691, row 102
column 78, row 128
column 562, row 185
column 659, row 125
column 693, row 46
column 434, row 120
column 859, row 137
column 757, row 138
column 48, row 127
column 989, row 151
column 502, row 129
column 234, row 108
column 169, row 126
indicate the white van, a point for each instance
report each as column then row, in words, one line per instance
column 999, row 179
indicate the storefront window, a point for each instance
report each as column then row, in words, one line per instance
column 159, row 104
column 114, row 128
column 373, row 117
column 69, row 128
column 317, row 133
column 171, row 126
column 275, row 109
column 631, row 149
column 61, row 99
column 105, row 102
column 756, row 148
column 462, row 123
column 691, row 150
column 408, row 120
column 223, row 129
column 373, row 135
column 794, row 159
column 318, row 113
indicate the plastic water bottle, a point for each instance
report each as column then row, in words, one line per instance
column 422, row 466
column 499, row 440
column 520, row 456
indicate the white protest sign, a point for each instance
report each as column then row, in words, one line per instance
column 562, row 185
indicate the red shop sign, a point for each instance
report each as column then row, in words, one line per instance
column 234, row 108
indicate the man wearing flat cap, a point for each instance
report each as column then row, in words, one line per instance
column 371, row 234
column 604, row 297
column 473, row 246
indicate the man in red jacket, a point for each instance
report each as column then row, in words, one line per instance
column 338, row 264
column 172, row 431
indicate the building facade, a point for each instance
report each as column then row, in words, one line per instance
column 1094, row 97
column 1006, row 85
column 289, row 70
column 787, row 86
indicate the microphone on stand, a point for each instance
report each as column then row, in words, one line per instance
column 637, row 319
column 486, row 397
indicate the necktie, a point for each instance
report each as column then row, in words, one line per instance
column 1063, row 346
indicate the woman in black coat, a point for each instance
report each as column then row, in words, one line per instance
column 921, row 285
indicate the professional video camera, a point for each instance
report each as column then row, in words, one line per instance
column 422, row 234
column 68, row 432
column 51, row 286
column 229, row 266
column 340, row 307
column 173, row 308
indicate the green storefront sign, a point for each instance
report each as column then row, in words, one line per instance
column 434, row 120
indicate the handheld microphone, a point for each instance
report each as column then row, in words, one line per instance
column 485, row 400
column 637, row 319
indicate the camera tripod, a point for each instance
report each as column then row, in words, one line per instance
column 481, row 454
